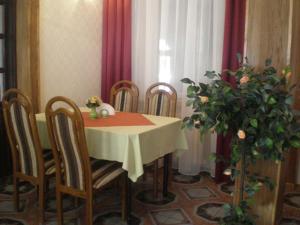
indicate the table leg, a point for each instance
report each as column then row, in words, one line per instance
column 166, row 174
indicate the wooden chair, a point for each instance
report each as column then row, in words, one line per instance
column 82, row 176
column 161, row 99
column 30, row 162
column 124, row 96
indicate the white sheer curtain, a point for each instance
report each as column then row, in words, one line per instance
column 173, row 39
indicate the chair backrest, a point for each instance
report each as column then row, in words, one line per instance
column 124, row 96
column 22, row 133
column 161, row 100
column 66, row 132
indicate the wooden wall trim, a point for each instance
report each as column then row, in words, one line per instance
column 35, row 53
column 267, row 33
column 28, row 59
column 295, row 51
column 271, row 33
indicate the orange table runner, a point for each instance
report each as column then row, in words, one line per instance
column 120, row 119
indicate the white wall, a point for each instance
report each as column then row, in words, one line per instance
column 70, row 49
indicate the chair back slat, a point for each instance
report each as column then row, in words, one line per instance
column 161, row 100
column 123, row 100
column 67, row 137
column 22, row 133
column 70, row 151
column 124, row 96
column 24, row 139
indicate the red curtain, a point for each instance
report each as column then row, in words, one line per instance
column 116, row 44
column 234, row 35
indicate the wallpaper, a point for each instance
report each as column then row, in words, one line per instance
column 70, row 49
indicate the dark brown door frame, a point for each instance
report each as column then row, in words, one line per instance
column 10, row 77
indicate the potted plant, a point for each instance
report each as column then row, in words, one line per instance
column 257, row 111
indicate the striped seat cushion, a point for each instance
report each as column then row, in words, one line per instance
column 104, row 172
column 49, row 162
column 159, row 104
column 123, row 101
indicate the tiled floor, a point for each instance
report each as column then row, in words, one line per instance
column 193, row 200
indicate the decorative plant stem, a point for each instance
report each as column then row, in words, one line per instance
column 243, row 173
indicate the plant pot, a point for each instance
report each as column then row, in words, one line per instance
column 268, row 204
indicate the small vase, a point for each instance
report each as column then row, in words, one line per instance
column 93, row 113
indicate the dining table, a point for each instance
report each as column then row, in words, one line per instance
column 133, row 139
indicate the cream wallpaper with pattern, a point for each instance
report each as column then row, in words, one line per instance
column 70, row 49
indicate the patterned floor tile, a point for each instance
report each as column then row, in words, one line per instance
column 184, row 179
column 292, row 199
column 289, row 221
column 66, row 222
column 68, row 203
column 227, row 188
column 198, row 193
column 211, row 211
column 146, row 196
column 185, row 201
column 7, row 206
column 170, row 217
column 6, row 187
column 115, row 218
column 10, row 221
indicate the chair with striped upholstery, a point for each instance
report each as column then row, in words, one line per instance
column 124, row 96
column 161, row 99
column 82, row 176
column 30, row 162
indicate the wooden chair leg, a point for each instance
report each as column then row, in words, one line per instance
column 155, row 179
column 124, row 197
column 144, row 175
column 89, row 210
column 59, row 206
column 170, row 170
column 76, row 200
column 16, row 195
column 128, row 199
column 47, row 186
column 42, row 201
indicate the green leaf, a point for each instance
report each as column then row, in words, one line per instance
column 271, row 101
column 227, row 208
column 187, row 81
column 289, row 100
column 191, row 90
column 295, row 143
column 269, row 143
column 210, row 74
column 268, row 62
column 189, row 102
column 254, row 123
column 239, row 211
column 279, row 129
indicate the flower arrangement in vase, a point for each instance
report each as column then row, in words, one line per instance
column 92, row 103
column 257, row 111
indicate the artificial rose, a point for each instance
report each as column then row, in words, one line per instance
column 244, row 79
column 203, row 99
column 241, row 134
